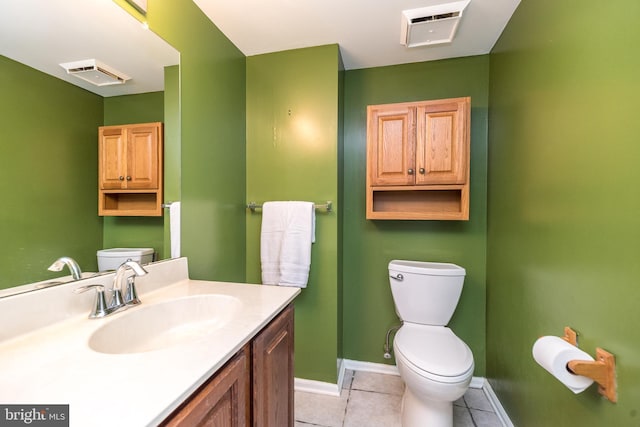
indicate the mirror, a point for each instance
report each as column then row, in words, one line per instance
column 48, row 128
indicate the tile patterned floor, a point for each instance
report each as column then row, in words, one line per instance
column 373, row 400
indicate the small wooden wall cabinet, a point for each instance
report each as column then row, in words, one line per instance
column 130, row 170
column 418, row 160
column 254, row 388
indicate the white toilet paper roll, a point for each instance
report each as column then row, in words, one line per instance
column 553, row 354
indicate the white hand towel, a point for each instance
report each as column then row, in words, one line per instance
column 174, row 229
column 285, row 243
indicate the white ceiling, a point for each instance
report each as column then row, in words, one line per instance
column 44, row 33
column 368, row 31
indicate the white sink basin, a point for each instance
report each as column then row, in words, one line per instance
column 163, row 325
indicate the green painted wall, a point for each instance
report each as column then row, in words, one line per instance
column 48, row 170
column 564, row 234
column 340, row 212
column 292, row 154
column 136, row 232
column 129, row 109
column 212, row 146
column 368, row 246
column 172, row 151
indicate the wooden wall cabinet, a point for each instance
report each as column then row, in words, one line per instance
column 254, row 388
column 418, row 156
column 130, row 170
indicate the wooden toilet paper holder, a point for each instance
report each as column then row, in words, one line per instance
column 602, row 370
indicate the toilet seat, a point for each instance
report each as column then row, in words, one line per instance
column 434, row 352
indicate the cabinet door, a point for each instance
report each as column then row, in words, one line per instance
column 142, row 157
column 391, row 144
column 441, row 150
column 273, row 373
column 112, row 166
column 222, row 402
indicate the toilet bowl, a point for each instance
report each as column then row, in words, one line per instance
column 436, row 367
column 434, row 363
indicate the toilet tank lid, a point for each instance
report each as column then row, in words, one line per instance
column 427, row 268
column 124, row 252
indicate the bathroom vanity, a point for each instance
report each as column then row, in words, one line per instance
column 192, row 351
column 226, row 398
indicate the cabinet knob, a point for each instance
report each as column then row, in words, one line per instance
column 410, row 171
column 121, row 178
column 421, row 170
column 128, row 178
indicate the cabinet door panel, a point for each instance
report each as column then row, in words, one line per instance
column 440, row 152
column 391, row 145
column 142, row 158
column 273, row 373
column 112, row 160
column 222, row 402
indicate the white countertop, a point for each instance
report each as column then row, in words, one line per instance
column 54, row 364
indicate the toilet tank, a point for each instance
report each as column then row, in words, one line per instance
column 425, row 292
column 111, row 259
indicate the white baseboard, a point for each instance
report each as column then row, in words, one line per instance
column 341, row 370
column 497, row 406
column 477, row 382
column 318, row 387
column 379, row 368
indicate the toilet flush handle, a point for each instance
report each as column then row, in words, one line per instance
column 399, row 277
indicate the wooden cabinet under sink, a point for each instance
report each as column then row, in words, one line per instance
column 222, row 401
column 254, row 388
column 272, row 373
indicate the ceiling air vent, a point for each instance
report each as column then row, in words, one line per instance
column 95, row 72
column 431, row 25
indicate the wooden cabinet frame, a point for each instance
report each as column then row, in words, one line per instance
column 418, row 160
column 130, row 170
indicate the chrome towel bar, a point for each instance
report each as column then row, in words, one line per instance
column 328, row 206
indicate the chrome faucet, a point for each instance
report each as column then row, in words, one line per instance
column 59, row 264
column 100, row 306
column 131, row 297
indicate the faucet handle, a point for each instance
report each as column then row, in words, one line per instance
column 116, row 302
column 130, row 295
column 100, row 309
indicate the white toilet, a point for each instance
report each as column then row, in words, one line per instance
column 434, row 363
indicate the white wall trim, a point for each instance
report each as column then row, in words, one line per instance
column 497, row 406
column 477, row 382
column 341, row 371
column 379, row 368
column 317, row 387
column 320, row 387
